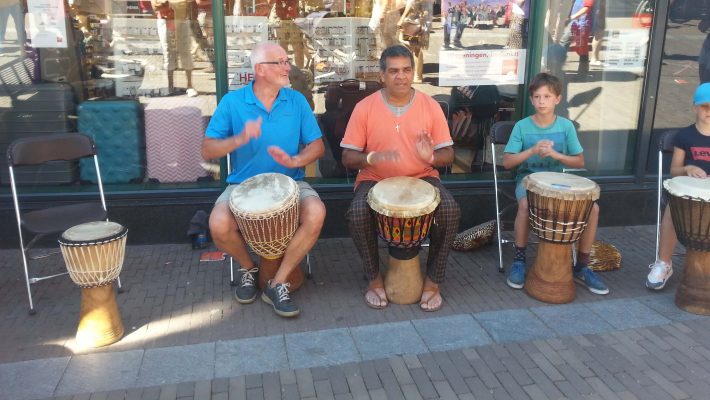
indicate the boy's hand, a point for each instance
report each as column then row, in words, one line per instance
column 282, row 157
column 543, row 147
column 695, row 172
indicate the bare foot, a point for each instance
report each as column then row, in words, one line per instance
column 375, row 297
column 431, row 299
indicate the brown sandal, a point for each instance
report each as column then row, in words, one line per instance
column 428, row 296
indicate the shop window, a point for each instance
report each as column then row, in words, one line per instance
column 599, row 50
column 686, row 64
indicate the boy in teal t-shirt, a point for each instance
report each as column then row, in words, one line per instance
column 546, row 142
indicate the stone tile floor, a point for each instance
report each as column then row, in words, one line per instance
column 187, row 338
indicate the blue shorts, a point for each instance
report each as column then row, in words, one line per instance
column 520, row 191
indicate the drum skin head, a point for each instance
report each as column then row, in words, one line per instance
column 561, row 186
column 682, row 186
column 92, row 231
column 403, row 197
column 263, row 193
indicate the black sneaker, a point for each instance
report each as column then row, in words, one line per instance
column 279, row 297
column 245, row 292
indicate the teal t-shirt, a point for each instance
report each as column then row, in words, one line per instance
column 526, row 134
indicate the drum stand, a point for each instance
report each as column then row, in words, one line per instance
column 100, row 320
column 268, row 268
column 550, row 278
column 693, row 294
column 404, row 281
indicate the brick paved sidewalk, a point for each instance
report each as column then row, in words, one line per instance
column 179, row 312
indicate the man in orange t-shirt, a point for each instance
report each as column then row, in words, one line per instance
column 399, row 131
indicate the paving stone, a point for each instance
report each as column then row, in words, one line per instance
column 444, row 390
column 485, row 373
column 250, row 356
column 438, row 335
column 627, row 314
column 237, row 387
column 399, row 368
column 305, row 383
column 513, row 325
column 255, row 394
column 546, row 367
column 100, row 372
column 431, row 366
column 203, row 390
column 666, row 385
column 411, row 392
column 271, row 385
column 323, row 390
column 337, row 380
column 167, row 365
column 319, row 348
column 424, row 385
column 664, row 304
column 369, row 375
column 385, row 340
column 544, row 383
column 32, row 379
column 565, row 319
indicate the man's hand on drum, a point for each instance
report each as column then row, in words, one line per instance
column 252, row 130
column 425, row 147
column 695, row 172
column 283, row 158
column 380, row 157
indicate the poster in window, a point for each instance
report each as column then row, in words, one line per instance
column 47, row 25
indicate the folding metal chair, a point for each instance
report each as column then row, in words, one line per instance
column 232, row 282
column 500, row 134
column 36, row 151
column 665, row 146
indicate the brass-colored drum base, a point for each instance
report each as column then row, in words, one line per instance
column 693, row 294
column 268, row 268
column 100, row 320
column 404, row 281
column 550, row 278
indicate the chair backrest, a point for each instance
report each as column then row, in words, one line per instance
column 54, row 147
column 500, row 132
column 665, row 145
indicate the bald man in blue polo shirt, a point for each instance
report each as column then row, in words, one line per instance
column 262, row 126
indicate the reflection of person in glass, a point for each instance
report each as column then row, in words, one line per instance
column 414, row 25
column 704, row 57
column 175, row 39
column 579, row 28
column 385, row 16
column 12, row 8
column 399, row 131
column 262, row 126
column 287, row 32
column 517, row 20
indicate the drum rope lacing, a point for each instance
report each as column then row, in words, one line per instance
column 98, row 265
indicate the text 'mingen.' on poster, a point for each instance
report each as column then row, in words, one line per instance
column 481, row 67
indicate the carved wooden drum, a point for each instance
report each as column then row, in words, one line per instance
column 690, row 210
column 266, row 209
column 93, row 253
column 559, row 206
column 404, row 211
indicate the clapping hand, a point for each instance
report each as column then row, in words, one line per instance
column 252, row 130
column 282, row 157
column 378, row 157
column 425, row 146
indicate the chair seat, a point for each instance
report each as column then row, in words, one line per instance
column 59, row 219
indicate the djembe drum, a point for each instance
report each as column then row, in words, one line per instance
column 690, row 210
column 558, row 209
column 93, row 253
column 266, row 209
column 404, row 211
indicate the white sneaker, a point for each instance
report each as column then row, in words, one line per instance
column 660, row 272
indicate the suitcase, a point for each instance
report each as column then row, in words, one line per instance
column 117, row 129
column 174, row 127
column 34, row 110
column 340, row 100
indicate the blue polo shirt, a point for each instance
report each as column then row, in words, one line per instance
column 290, row 123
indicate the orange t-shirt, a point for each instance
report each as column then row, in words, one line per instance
column 373, row 127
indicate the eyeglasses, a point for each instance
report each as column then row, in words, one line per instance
column 281, row 63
